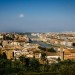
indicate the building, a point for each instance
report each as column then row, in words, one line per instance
column 69, row 54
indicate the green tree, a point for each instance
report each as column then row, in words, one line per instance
column 51, row 50
column 4, row 56
column 42, row 48
column 73, row 44
column 43, row 56
column 58, row 59
column 34, row 65
column 22, row 59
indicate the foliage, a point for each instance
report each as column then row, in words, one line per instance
column 73, row 44
column 34, row 64
column 3, row 55
column 8, row 37
column 31, row 66
column 47, row 49
column 51, row 50
column 58, row 59
column 43, row 55
column 42, row 48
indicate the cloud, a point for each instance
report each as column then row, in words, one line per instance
column 21, row 15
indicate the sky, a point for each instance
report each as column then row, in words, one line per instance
column 37, row 15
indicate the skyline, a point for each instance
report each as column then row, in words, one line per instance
column 37, row 15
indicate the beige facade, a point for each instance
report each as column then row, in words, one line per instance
column 9, row 54
column 69, row 54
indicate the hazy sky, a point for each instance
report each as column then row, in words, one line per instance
column 37, row 15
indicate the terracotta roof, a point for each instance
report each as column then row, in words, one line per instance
column 52, row 54
column 70, row 50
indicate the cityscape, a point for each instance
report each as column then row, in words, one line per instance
column 37, row 37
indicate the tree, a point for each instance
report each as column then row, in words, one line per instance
column 43, row 55
column 51, row 50
column 24, row 60
column 34, row 65
column 58, row 59
column 4, row 56
column 73, row 44
column 42, row 48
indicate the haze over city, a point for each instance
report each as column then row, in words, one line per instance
column 37, row 15
column 37, row 37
